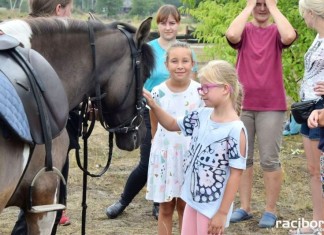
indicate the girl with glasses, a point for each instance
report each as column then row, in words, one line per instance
column 217, row 152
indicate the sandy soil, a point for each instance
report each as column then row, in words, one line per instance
column 294, row 200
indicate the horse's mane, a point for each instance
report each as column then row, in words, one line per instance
column 41, row 25
column 54, row 25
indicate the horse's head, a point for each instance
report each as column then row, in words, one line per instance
column 84, row 54
column 123, row 104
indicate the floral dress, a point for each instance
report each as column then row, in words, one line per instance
column 165, row 171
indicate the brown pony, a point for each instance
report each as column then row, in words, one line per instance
column 92, row 59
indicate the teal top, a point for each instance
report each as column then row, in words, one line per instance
column 160, row 73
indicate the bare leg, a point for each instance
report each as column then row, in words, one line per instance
column 165, row 217
column 313, row 164
column 245, row 189
column 272, row 182
column 180, row 209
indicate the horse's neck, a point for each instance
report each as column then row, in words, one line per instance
column 71, row 59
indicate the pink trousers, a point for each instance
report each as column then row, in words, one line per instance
column 193, row 222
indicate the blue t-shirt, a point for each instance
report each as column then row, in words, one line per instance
column 160, row 73
column 214, row 148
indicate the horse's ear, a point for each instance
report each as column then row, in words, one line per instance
column 143, row 32
column 93, row 17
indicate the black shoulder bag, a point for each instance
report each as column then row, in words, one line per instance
column 301, row 110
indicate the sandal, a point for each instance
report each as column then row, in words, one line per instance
column 268, row 220
column 240, row 215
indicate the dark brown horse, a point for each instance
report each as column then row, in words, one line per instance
column 90, row 58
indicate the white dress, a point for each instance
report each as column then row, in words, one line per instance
column 165, row 171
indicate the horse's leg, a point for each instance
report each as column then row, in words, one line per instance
column 40, row 223
column 46, row 187
column 13, row 159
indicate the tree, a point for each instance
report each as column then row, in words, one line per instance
column 176, row 3
column 145, row 7
column 109, row 7
column 214, row 17
column 14, row 4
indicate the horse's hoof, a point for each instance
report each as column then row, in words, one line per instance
column 115, row 210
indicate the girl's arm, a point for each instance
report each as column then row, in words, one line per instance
column 166, row 120
column 154, row 124
column 217, row 223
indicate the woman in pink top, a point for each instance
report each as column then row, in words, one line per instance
column 259, row 44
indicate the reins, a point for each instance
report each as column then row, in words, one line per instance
column 89, row 103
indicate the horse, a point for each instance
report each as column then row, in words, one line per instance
column 107, row 61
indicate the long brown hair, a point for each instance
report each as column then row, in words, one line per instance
column 45, row 7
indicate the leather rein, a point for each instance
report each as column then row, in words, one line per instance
column 131, row 124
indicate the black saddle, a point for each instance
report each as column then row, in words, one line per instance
column 18, row 65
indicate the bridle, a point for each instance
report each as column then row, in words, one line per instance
column 133, row 123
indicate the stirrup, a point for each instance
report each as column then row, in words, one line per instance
column 45, row 208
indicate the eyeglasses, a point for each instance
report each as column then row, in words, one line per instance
column 203, row 90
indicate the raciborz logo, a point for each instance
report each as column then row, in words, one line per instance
column 316, row 226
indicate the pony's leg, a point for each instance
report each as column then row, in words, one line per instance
column 40, row 223
column 46, row 187
column 47, row 190
column 13, row 160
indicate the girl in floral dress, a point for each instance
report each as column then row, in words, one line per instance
column 178, row 96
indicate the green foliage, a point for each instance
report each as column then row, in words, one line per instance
column 176, row 3
column 191, row 3
column 211, row 29
column 109, row 7
column 214, row 17
column 293, row 57
column 145, row 7
column 24, row 6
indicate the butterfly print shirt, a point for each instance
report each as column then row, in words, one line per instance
column 214, row 148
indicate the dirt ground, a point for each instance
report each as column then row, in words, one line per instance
column 137, row 219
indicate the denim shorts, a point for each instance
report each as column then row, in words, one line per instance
column 312, row 133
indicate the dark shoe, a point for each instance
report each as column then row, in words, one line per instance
column 115, row 210
column 155, row 211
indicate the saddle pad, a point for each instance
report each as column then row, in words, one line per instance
column 55, row 99
column 12, row 110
